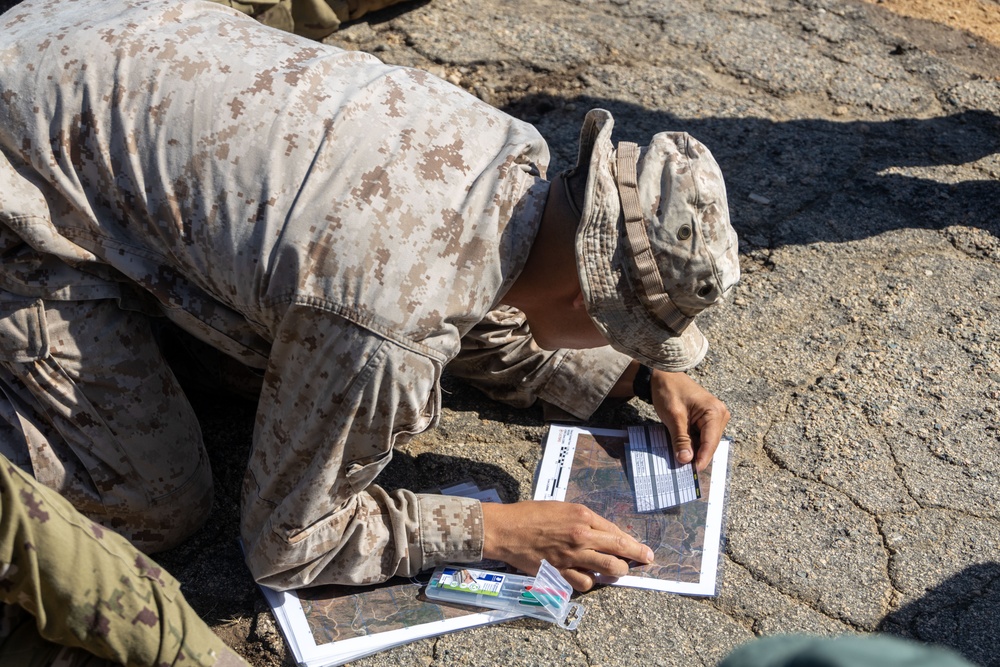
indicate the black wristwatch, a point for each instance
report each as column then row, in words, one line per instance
column 641, row 386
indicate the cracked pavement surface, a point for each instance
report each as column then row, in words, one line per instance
column 860, row 356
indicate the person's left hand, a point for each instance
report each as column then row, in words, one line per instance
column 694, row 417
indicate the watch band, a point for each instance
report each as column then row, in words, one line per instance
column 641, row 384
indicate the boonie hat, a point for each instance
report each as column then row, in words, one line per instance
column 654, row 247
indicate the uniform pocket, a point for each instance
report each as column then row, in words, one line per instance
column 362, row 472
column 23, row 334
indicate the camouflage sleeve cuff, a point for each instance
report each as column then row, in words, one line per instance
column 583, row 380
column 451, row 530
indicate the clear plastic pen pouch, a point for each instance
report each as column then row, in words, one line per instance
column 545, row 596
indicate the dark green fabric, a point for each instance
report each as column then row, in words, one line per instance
column 74, row 589
column 846, row 651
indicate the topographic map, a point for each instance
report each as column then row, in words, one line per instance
column 676, row 535
column 331, row 625
column 335, row 613
column 587, row 466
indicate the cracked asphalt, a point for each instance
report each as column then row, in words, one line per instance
column 860, row 356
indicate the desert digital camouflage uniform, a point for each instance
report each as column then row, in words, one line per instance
column 68, row 584
column 345, row 226
column 310, row 18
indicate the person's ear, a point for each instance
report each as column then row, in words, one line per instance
column 578, row 301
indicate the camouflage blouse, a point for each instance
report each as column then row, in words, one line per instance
column 310, row 211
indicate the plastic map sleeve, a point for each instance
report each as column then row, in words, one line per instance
column 591, row 466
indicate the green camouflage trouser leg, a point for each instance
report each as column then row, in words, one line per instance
column 310, row 18
column 68, row 584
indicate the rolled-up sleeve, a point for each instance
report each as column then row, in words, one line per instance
column 336, row 399
column 500, row 358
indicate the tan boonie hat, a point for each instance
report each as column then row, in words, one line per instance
column 654, row 247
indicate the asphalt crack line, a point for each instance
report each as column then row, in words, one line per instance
column 759, row 578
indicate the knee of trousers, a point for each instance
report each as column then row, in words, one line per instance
column 123, row 446
column 168, row 520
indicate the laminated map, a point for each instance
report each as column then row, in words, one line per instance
column 589, row 466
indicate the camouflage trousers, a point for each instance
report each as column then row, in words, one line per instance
column 74, row 594
column 89, row 406
column 309, row 18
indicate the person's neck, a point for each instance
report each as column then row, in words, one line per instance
column 550, row 270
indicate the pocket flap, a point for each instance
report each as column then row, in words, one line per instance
column 23, row 334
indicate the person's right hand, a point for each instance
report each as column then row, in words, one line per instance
column 575, row 540
column 694, row 417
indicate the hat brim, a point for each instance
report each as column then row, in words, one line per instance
column 610, row 297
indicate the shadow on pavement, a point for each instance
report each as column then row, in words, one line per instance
column 430, row 471
column 822, row 180
column 960, row 613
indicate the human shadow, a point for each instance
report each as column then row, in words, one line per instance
column 810, row 180
column 430, row 472
column 388, row 13
column 960, row 613
column 460, row 396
